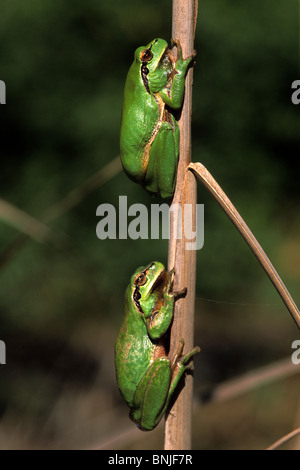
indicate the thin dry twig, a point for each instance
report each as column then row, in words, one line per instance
column 210, row 183
column 284, row 439
column 77, row 195
column 255, row 378
column 26, row 223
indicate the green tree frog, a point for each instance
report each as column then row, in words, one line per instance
column 149, row 141
column 146, row 376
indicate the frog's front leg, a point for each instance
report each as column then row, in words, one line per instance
column 159, row 317
column 160, row 320
column 173, row 96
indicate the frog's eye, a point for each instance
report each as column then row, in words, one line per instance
column 140, row 279
column 146, row 55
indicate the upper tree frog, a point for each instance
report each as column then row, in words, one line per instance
column 146, row 376
column 149, row 132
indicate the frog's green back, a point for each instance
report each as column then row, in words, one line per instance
column 139, row 117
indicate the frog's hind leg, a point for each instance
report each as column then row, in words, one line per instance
column 179, row 364
column 151, row 394
column 163, row 158
column 178, row 369
column 156, row 388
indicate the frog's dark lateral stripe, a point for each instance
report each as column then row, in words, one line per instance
column 145, row 70
column 144, row 73
column 136, row 297
column 136, row 294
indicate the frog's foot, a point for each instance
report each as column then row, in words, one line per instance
column 178, row 365
column 179, row 359
column 178, row 352
column 188, row 356
column 176, row 42
column 180, row 293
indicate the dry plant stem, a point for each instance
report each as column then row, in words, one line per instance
column 178, row 422
column 284, row 439
column 210, row 183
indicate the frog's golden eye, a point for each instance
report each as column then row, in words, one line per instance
column 140, row 279
column 146, row 55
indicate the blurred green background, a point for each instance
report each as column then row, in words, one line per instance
column 64, row 65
